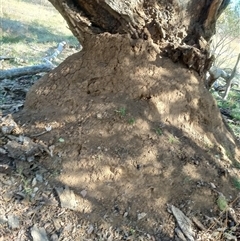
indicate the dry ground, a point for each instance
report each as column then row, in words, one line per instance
column 120, row 154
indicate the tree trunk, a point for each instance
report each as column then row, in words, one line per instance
column 121, row 68
column 126, row 46
column 180, row 29
column 230, row 78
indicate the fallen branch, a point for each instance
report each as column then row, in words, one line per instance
column 229, row 80
column 29, row 70
column 6, row 58
column 56, row 52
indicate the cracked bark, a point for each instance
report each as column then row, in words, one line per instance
column 179, row 28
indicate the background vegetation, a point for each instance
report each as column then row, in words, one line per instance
column 226, row 47
column 29, row 30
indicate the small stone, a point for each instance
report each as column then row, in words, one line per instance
column 141, row 216
column 3, row 151
column 34, row 182
column 3, row 219
column 38, row 234
column 196, row 162
column 30, row 158
column 48, row 128
column 99, row 116
column 35, row 189
column 212, row 185
column 68, row 227
column 13, row 221
column 90, row 229
column 39, row 177
column 216, row 234
column 7, row 129
column 54, row 237
column 83, row 193
column 67, row 198
column 7, row 196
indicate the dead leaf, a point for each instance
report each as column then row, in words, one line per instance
column 184, row 223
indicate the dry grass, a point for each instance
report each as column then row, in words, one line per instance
column 29, row 30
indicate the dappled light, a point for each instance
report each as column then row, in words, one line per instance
column 124, row 143
column 122, row 139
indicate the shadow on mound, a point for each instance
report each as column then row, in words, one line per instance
column 139, row 132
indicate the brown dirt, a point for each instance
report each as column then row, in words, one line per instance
column 137, row 132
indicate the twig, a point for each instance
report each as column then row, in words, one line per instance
column 39, row 134
column 6, row 58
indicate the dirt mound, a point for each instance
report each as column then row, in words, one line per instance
column 135, row 131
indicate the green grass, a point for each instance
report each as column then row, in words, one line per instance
column 222, row 202
column 131, row 121
column 236, row 114
column 26, row 183
column 11, row 39
column 158, row 131
column 236, row 183
column 23, row 18
column 187, row 179
column 122, row 111
column 232, row 105
column 173, row 139
column 236, row 164
column 29, row 29
column 235, row 129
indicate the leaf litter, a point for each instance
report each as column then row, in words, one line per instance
column 35, row 202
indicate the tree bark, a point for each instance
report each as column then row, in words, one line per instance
column 181, row 29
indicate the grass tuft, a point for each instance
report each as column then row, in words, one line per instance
column 236, row 183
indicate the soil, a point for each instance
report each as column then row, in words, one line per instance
column 131, row 132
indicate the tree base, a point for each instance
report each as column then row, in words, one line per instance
column 135, row 126
column 113, row 66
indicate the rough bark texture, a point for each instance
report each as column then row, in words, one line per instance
column 181, row 28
